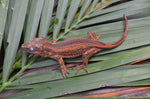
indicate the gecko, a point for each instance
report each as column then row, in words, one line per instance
column 71, row 48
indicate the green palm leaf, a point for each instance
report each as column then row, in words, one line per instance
column 46, row 17
column 14, row 32
column 110, row 77
column 3, row 11
column 60, row 14
column 68, row 19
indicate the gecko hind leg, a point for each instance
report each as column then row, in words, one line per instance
column 85, row 58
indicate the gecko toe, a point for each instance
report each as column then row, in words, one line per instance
column 86, row 70
column 80, row 67
column 65, row 73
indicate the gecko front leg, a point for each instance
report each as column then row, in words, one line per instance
column 62, row 66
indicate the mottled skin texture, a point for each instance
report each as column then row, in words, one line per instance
column 71, row 48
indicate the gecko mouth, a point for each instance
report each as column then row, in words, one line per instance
column 26, row 49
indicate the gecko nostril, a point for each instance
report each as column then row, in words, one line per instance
column 22, row 46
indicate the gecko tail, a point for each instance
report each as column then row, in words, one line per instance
column 117, row 43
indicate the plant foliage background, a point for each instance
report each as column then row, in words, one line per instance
column 22, row 20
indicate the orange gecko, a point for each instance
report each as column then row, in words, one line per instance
column 71, row 48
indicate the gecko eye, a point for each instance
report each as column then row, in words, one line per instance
column 31, row 49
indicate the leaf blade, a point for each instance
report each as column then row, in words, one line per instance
column 128, row 10
column 84, row 8
column 46, row 17
column 33, row 19
column 72, row 11
column 60, row 14
column 15, row 31
column 3, row 12
column 88, row 82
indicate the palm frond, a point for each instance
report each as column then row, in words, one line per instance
column 64, row 19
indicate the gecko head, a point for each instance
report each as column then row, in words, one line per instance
column 34, row 46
